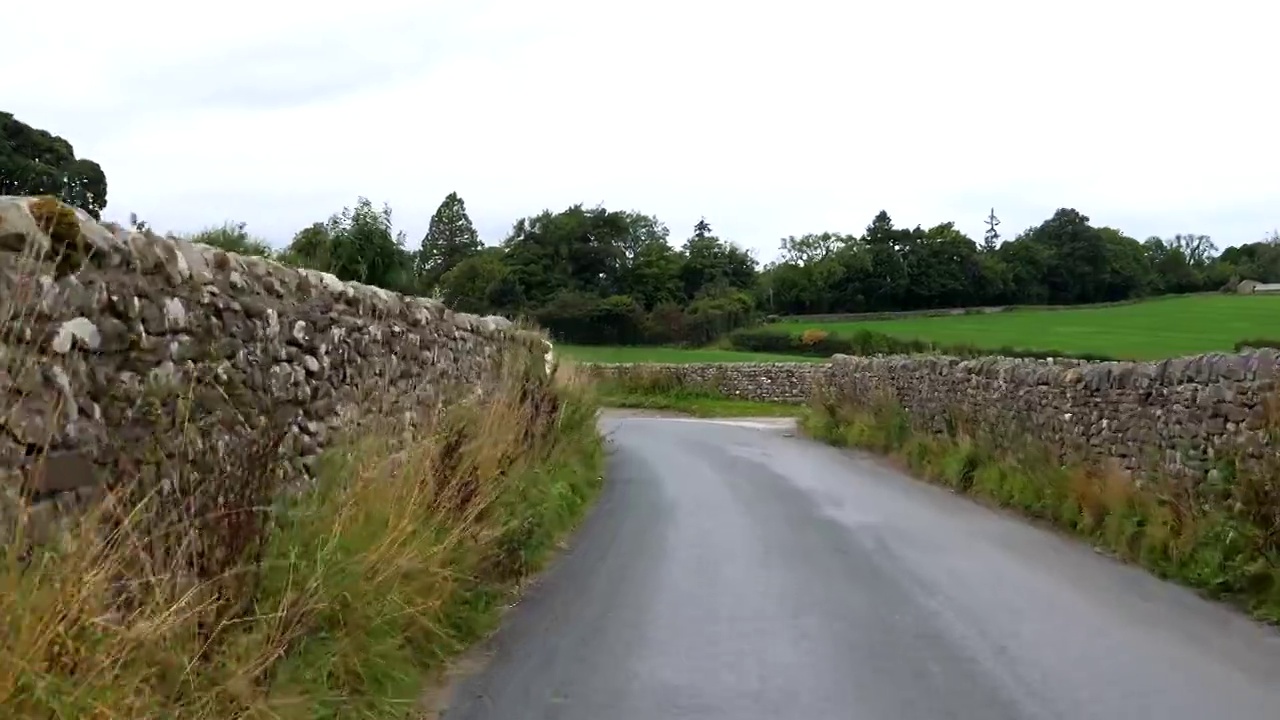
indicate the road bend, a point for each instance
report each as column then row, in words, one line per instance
column 734, row 571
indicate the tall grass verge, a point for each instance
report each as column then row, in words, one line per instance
column 1220, row 536
column 229, row 596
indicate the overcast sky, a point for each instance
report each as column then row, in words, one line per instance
column 769, row 118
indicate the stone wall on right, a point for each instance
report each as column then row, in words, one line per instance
column 1176, row 416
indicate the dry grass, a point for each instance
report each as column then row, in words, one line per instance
column 218, row 592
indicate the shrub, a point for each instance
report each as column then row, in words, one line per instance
column 1256, row 344
column 233, row 237
column 812, row 337
column 644, row 380
column 866, row 342
column 586, row 319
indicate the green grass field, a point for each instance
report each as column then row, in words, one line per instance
column 1151, row 330
column 610, row 354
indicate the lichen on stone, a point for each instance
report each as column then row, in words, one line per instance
column 61, row 224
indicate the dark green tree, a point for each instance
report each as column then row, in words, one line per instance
column 36, row 162
column 356, row 244
column 713, row 266
column 991, row 236
column 480, row 284
column 648, row 271
column 814, row 247
column 450, row 239
column 579, row 250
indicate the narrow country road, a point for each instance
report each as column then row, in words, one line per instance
column 733, row 572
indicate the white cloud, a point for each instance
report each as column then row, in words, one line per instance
column 770, row 119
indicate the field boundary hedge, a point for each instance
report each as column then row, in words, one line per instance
column 816, row 342
column 975, row 310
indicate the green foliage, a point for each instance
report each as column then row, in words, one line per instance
column 782, row 340
column 1065, row 260
column 233, row 237
column 357, row 244
column 479, row 284
column 588, row 275
column 591, row 320
column 595, row 276
column 309, row 248
column 36, row 162
column 1257, row 343
column 714, row 267
column 450, row 239
column 1222, row 537
column 603, row 277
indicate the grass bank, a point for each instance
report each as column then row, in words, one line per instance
column 333, row 603
column 664, row 391
column 1221, row 536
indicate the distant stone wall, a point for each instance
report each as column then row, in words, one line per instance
column 1176, row 416
column 765, row 382
column 114, row 344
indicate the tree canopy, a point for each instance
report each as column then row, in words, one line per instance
column 36, row 162
column 1063, row 260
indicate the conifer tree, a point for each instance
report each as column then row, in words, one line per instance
column 450, row 239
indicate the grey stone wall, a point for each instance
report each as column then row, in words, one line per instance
column 116, row 343
column 766, row 382
column 1177, row 416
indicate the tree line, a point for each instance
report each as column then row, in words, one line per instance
column 599, row 276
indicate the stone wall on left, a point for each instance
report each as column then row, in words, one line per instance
column 121, row 349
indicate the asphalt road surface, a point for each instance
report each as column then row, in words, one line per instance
column 732, row 572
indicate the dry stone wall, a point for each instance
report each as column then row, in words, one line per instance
column 765, row 382
column 116, row 344
column 1177, row 416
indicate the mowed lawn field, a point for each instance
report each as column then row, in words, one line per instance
column 612, row 354
column 1150, row 330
